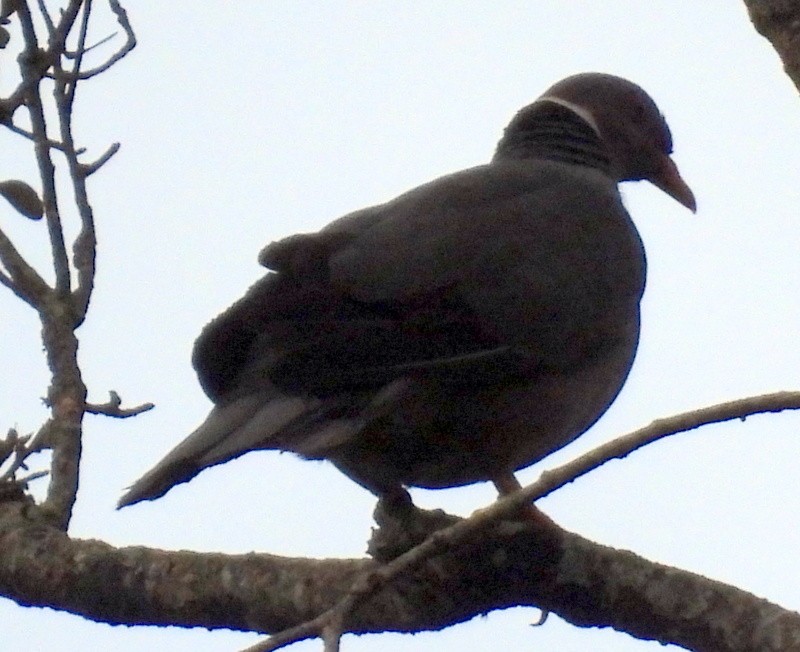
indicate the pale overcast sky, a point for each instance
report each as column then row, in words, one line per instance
column 244, row 122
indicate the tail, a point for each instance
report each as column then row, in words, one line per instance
column 230, row 430
column 311, row 427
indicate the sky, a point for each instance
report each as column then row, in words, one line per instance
column 241, row 123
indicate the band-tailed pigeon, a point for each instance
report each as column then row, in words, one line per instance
column 458, row 333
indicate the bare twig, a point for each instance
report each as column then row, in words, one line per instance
column 89, row 48
column 130, row 42
column 23, row 448
column 67, row 392
column 27, row 134
column 658, row 429
column 508, row 506
column 26, row 479
column 32, row 68
column 88, row 169
column 9, row 444
column 22, row 279
column 84, row 248
column 112, row 408
column 48, row 21
column 6, row 280
column 68, row 89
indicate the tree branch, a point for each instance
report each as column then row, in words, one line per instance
column 22, row 279
column 22, row 448
column 510, row 563
column 130, row 42
column 63, row 310
column 470, row 567
column 66, row 91
column 461, row 532
column 112, row 408
column 779, row 22
column 623, row 446
column 27, row 134
column 48, row 21
column 88, row 169
column 33, row 65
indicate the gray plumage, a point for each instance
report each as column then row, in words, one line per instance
column 457, row 333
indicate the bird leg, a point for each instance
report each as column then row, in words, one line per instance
column 507, row 484
column 402, row 525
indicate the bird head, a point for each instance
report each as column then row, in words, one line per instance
column 629, row 123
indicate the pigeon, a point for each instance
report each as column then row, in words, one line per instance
column 457, row 333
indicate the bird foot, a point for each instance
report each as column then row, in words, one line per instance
column 507, row 484
column 402, row 526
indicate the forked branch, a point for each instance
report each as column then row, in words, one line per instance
column 62, row 307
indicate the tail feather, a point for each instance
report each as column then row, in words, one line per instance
column 230, row 430
column 311, row 427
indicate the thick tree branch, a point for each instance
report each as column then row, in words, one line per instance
column 468, row 568
column 509, row 564
column 66, row 396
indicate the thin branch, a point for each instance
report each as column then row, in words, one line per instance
column 26, row 479
column 112, row 408
column 48, row 21
column 508, row 506
column 6, row 280
column 53, row 144
column 67, row 392
column 31, row 69
column 84, row 249
column 85, row 245
column 69, row 89
column 23, row 448
column 621, row 447
column 9, row 444
column 22, row 279
column 89, row 48
column 89, row 169
column 130, row 43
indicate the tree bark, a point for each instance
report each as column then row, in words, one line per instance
column 779, row 22
column 513, row 563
